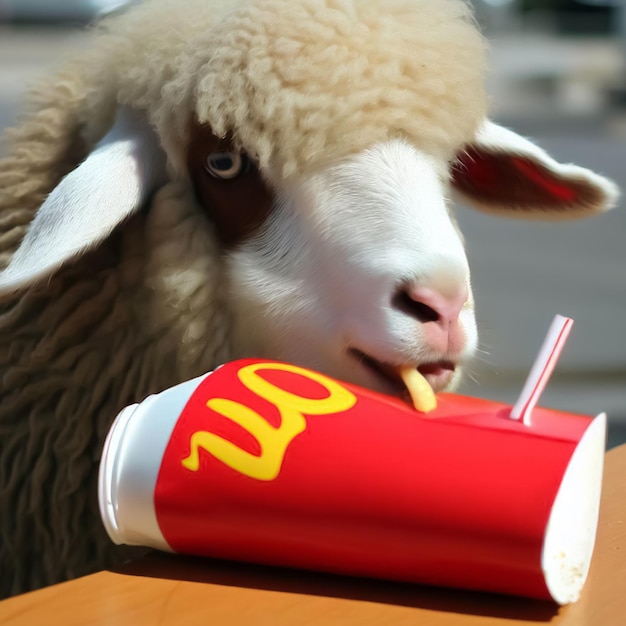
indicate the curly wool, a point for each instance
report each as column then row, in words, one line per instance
column 141, row 313
column 300, row 83
column 328, row 79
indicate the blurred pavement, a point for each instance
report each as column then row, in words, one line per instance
column 554, row 91
column 26, row 55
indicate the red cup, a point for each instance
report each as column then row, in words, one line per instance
column 270, row 463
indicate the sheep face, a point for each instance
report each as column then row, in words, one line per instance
column 355, row 270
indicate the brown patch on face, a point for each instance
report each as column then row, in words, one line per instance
column 238, row 206
column 519, row 182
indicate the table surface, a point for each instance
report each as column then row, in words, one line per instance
column 168, row 589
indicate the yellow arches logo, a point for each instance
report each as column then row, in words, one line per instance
column 273, row 441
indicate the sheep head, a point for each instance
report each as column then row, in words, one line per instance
column 319, row 142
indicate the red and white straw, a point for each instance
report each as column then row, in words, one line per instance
column 542, row 368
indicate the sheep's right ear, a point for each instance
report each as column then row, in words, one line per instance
column 113, row 182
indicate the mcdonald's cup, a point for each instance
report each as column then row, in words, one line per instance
column 271, row 463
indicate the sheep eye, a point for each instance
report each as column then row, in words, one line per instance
column 226, row 165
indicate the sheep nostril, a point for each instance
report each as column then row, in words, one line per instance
column 418, row 310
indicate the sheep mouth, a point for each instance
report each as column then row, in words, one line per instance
column 438, row 373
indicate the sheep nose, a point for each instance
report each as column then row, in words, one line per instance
column 438, row 313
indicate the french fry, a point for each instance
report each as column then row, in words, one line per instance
column 422, row 395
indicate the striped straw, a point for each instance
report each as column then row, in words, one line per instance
column 542, row 368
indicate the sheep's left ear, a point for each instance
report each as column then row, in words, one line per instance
column 111, row 184
column 501, row 172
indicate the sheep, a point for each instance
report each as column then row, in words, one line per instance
column 266, row 178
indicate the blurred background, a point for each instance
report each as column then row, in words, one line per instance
column 559, row 77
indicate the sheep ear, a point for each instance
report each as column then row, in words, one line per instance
column 501, row 172
column 113, row 182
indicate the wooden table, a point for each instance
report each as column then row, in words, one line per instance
column 165, row 589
